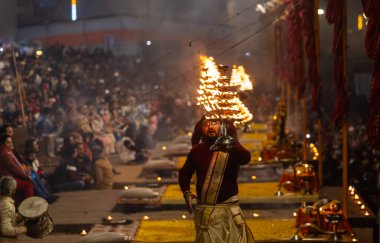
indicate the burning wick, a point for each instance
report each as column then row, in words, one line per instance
column 109, row 218
column 83, row 233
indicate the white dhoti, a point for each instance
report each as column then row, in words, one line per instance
column 221, row 223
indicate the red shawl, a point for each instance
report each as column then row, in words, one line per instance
column 334, row 15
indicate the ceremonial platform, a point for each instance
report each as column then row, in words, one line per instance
column 252, row 196
column 87, row 210
column 87, row 216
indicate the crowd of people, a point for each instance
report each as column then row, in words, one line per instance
column 81, row 105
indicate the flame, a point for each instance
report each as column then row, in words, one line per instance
column 217, row 93
column 240, row 78
column 209, row 78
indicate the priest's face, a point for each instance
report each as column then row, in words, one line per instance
column 210, row 128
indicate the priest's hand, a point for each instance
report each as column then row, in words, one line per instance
column 228, row 148
column 188, row 199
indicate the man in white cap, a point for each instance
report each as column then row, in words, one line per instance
column 8, row 216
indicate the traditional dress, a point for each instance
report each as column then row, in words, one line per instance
column 11, row 166
column 8, row 218
column 218, row 217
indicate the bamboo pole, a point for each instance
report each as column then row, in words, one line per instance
column 319, row 122
column 345, row 124
column 20, row 88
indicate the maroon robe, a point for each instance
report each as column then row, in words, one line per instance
column 198, row 161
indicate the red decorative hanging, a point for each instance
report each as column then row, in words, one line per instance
column 313, row 76
column 294, row 39
column 372, row 45
column 334, row 16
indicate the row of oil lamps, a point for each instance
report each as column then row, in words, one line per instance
column 357, row 200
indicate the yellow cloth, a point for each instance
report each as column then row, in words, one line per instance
column 221, row 223
column 103, row 173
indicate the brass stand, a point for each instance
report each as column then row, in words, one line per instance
column 224, row 142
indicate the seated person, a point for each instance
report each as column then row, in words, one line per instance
column 8, row 216
column 39, row 187
column 85, row 149
column 126, row 150
column 67, row 176
column 11, row 166
column 84, row 164
column 32, row 145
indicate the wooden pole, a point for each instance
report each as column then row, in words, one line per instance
column 278, row 57
column 288, row 99
column 345, row 124
column 320, row 151
column 319, row 122
column 19, row 87
column 296, row 126
column 304, row 129
column 303, row 107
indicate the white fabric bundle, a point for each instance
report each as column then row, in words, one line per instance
column 139, row 192
column 154, row 164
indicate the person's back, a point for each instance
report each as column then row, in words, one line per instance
column 104, row 174
column 103, row 169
